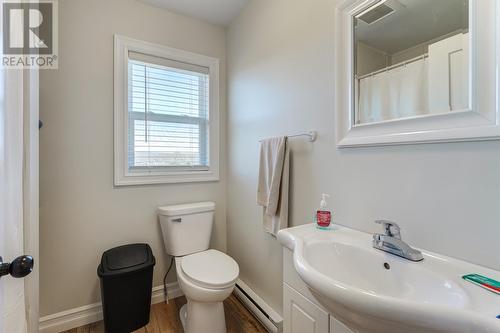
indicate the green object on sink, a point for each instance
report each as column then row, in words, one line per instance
column 484, row 282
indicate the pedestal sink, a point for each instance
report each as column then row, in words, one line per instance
column 375, row 292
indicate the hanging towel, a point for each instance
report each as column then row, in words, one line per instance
column 272, row 190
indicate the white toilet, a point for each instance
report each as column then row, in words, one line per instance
column 207, row 277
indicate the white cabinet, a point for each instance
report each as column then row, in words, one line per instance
column 301, row 315
column 301, row 310
column 337, row 327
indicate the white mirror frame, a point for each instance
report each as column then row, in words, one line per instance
column 480, row 122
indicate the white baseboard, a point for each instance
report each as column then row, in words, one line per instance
column 91, row 313
column 173, row 290
column 272, row 320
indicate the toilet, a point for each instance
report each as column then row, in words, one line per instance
column 206, row 276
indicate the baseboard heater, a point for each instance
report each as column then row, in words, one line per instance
column 271, row 320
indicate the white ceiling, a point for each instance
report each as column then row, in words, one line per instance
column 220, row 12
column 417, row 22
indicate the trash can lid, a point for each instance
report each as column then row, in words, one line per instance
column 125, row 259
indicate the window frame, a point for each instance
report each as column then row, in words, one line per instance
column 123, row 176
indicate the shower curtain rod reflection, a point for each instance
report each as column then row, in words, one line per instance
column 403, row 63
column 312, row 135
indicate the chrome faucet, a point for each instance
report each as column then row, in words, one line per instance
column 391, row 242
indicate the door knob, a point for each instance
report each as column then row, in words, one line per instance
column 19, row 268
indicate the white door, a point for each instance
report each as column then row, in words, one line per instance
column 449, row 74
column 12, row 301
column 18, row 200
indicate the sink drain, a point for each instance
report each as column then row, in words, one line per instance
column 387, row 266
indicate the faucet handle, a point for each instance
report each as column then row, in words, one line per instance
column 391, row 229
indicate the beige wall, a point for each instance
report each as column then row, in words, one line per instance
column 81, row 214
column 280, row 78
column 369, row 59
column 408, row 54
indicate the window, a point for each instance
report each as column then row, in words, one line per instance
column 166, row 115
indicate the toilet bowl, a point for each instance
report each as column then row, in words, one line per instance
column 206, row 276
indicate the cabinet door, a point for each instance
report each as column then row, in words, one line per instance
column 301, row 315
column 337, row 327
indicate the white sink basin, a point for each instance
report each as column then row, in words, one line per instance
column 365, row 269
column 373, row 291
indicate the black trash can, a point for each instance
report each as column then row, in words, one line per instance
column 126, row 274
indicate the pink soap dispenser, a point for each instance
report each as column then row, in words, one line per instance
column 323, row 216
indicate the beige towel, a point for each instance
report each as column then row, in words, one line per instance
column 272, row 191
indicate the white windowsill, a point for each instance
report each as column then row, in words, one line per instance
column 148, row 178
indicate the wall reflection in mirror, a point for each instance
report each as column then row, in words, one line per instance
column 411, row 59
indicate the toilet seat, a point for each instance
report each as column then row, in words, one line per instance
column 210, row 269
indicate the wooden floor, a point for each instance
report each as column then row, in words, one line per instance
column 165, row 319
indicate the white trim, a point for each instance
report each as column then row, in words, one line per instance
column 273, row 323
column 481, row 121
column 31, row 193
column 122, row 176
column 87, row 314
column 173, row 289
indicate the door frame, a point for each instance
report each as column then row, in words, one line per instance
column 31, row 192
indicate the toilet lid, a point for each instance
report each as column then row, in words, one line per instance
column 210, row 269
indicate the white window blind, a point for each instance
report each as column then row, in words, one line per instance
column 168, row 115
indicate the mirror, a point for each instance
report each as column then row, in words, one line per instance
column 411, row 59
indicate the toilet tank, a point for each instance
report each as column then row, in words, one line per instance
column 186, row 228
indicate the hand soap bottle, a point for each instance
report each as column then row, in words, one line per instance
column 323, row 216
